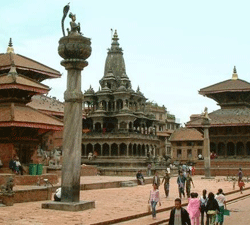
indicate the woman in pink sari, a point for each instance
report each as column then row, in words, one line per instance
column 193, row 209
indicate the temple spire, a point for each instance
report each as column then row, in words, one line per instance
column 235, row 75
column 10, row 48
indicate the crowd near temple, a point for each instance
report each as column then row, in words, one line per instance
column 120, row 132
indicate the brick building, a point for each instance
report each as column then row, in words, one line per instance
column 230, row 125
column 21, row 126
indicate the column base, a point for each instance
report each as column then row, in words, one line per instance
column 69, row 206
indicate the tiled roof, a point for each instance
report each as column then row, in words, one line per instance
column 227, row 85
column 6, row 81
column 45, row 103
column 25, row 116
column 225, row 117
column 186, row 134
column 25, row 63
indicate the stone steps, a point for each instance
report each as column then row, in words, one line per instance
column 128, row 184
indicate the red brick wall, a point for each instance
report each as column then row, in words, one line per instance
column 6, row 153
column 29, row 179
column 88, row 170
column 223, row 171
column 39, row 194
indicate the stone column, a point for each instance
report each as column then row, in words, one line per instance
column 75, row 49
column 101, row 150
column 206, row 147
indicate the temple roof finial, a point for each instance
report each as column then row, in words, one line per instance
column 235, row 75
column 115, row 36
column 10, row 48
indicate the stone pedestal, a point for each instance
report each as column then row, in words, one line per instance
column 69, row 206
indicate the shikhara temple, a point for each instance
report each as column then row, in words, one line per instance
column 23, row 127
column 230, row 125
column 117, row 124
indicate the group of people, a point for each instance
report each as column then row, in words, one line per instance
column 211, row 206
column 16, row 166
column 209, row 210
column 184, row 180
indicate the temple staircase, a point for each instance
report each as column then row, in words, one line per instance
column 120, row 166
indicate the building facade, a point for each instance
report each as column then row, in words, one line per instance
column 230, row 125
column 117, row 124
column 187, row 144
column 22, row 127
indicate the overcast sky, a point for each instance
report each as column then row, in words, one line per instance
column 172, row 49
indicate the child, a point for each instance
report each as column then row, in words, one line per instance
column 154, row 197
column 193, row 208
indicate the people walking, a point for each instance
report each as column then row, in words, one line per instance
column 221, row 199
column 193, row 209
column 166, row 179
column 178, row 215
column 156, row 179
column 203, row 200
column 154, row 198
column 181, row 184
column 189, row 180
column 212, row 208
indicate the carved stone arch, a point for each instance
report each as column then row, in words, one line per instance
column 221, row 149
column 240, row 148
column 123, row 125
column 248, row 148
column 135, row 149
column 114, row 149
column 84, row 150
column 130, row 149
column 123, row 149
column 230, row 149
column 89, row 148
column 105, row 149
column 119, row 103
column 143, row 150
column 97, row 149
column 213, row 147
column 139, row 150
column 98, row 127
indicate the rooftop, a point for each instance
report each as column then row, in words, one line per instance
column 225, row 117
column 186, row 134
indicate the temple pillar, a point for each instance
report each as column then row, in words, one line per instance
column 74, row 49
column 101, row 150
column 119, row 149
column 206, row 146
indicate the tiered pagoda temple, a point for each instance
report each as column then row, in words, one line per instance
column 117, row 124
column 21, row 126
column 230, row 125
